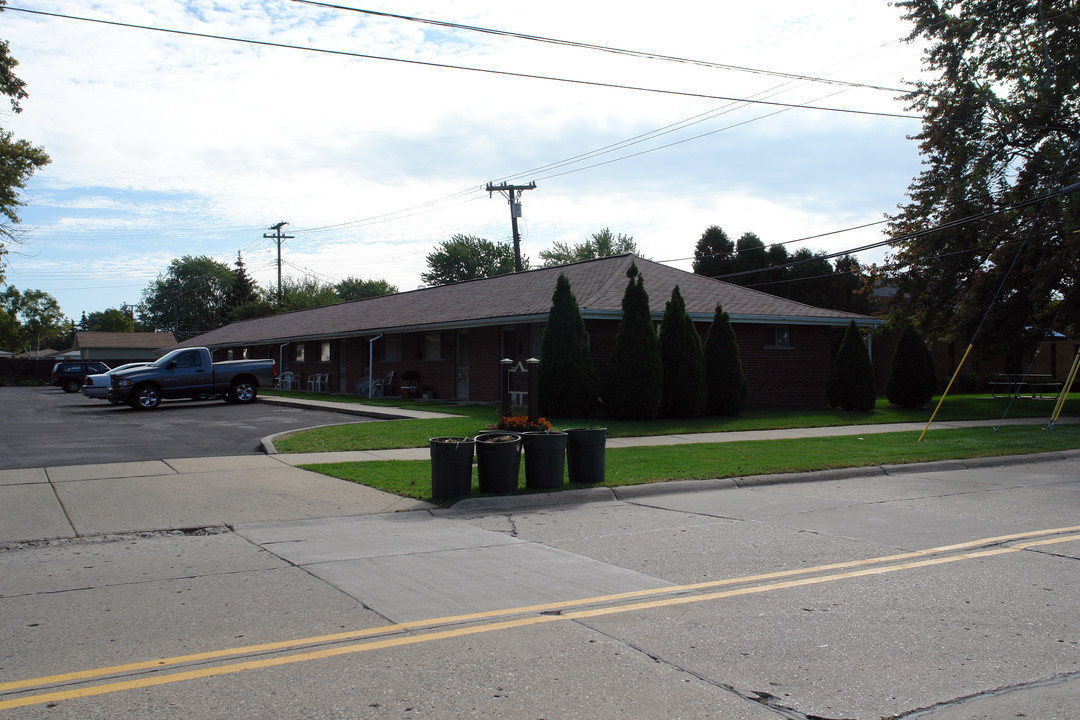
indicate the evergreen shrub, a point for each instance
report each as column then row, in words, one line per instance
column 684, row 392
column 634, row 381
column 851, row 381
column 912, row 379
column 568, row 383
column 726, row 384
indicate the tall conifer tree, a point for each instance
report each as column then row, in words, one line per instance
column 633, row 385
column 684, row 392
column 568, row 385
column 727, row 390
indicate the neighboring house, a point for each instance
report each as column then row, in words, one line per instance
column 454, row 336
column 116, row 348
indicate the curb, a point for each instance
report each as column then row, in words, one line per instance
column 635, row 492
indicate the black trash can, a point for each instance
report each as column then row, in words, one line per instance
column 498, row 462
column 545, row 459
column 585, row 450
column 451, row 467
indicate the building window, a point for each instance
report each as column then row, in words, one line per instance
column 432, row 346
column 324, row 352
column 299, row 356
column 390, row 349
column 782, row 337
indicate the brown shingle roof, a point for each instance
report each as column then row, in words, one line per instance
column 109, row 340
column 598, row 286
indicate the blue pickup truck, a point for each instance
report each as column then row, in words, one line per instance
column 191, row 373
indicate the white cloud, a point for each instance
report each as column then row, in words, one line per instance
column 165, row 145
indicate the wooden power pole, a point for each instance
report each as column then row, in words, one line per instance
column 513, row 194
column 279, row 238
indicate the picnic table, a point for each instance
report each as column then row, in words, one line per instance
column 1017, row 384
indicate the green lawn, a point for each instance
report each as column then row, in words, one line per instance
column 415, row 433
column 632, row 466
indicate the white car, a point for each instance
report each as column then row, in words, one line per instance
column 97, row 386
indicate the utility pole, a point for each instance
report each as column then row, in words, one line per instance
column 279, row 238
column 513, row 194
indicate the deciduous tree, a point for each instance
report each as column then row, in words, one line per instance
column 1000, row 136
column 602, row 244
column 714, row 253
column 19, row 159
column 467, row 257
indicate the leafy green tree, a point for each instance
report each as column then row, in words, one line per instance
column 353, row 288
column 635, row 374
column 32, row 319
column 851, row 380
column 714, row 253
column 467, row 257
column 305, row 293
column 750, row 254
column 725, row 382
column 109, row 320
column 191, row 298
column 602, row 244
column 684, row 392
column 568, row 383
column 912, row 378
column 1000, row 129
column 19, row 159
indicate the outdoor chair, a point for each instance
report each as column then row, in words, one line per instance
column 383, row 385
column 288, row 381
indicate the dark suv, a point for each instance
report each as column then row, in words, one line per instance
column 69, row 375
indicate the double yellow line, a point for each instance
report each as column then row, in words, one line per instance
column 398, row 635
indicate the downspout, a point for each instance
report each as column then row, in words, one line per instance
column 371, row 362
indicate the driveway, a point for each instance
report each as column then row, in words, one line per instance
column 44, row 426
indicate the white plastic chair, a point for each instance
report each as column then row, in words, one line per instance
column 288, row 381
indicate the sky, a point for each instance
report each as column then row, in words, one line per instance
column 354, row 129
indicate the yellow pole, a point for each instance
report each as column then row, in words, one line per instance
column 1065, row 390
column 966, row 352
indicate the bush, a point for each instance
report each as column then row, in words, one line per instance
column 851, row 381
column 635, row 376
column 912, row 379
column 568, row 384
column 724, row 377
column 684, row 393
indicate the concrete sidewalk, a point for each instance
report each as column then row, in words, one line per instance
column 191, row 494
column 663, row 440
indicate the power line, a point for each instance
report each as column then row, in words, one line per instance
column 447, row 66
column 602, row 48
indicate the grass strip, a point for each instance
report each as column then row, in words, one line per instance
column 635, row 466
column 415, row 433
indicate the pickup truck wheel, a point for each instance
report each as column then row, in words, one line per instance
column 72, row 386
column 243, row 392
column 145, row 397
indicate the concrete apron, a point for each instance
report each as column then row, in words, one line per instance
column 412, row 566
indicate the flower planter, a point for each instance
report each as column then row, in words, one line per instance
column 585, row 450
column 498, row 462
column 545, row 459
column 451, row 467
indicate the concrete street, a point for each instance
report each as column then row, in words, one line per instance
column 244, row 587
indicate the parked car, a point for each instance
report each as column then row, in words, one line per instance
column 191, row 373
column 69, row 374
column 97, row 386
